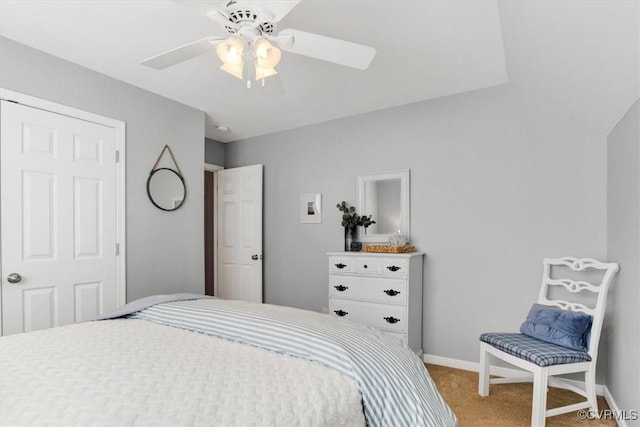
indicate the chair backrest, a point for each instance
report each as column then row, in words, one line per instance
column 576, row 287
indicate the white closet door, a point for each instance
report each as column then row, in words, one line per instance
column 240, row 233
column 58, row 219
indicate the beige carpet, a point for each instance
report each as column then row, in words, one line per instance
column 508, row 405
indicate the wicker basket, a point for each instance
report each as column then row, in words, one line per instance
column 388, row 249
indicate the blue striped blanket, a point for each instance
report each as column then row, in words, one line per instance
column 395, row 386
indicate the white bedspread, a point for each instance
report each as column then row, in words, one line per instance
column 395, row 387
column 133, row 372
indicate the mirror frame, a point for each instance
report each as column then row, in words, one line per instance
column 184, row 186
column 405, row 217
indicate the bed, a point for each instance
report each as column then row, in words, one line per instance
column 190, row 360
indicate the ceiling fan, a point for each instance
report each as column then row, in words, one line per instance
column 252, row 50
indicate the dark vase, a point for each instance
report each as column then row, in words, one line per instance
column 356, row 245
column 348, row 238
column 351, row 242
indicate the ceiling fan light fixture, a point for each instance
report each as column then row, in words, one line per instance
column 266, row 55
column 231, row 51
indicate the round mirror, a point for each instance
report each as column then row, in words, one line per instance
column 166, row 189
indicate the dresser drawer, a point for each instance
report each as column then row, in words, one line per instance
column 340, row 264
column 388, row 317
column 393, row 267
column 388, row 267
column 364, row 265
column 374, row 289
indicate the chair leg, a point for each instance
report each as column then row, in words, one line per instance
column 539, row 406
column 483, row 380
column 590, row 386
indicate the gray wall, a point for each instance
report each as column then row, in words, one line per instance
column 497, row 183
column 213, row 152
column 623, row 245
column 164, row 250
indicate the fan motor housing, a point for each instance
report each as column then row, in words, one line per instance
column 246, row 17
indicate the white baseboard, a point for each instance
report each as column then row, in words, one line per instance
column 451, row 363
column 495, row 370
column 614, row 406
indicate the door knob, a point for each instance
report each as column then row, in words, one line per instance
column 254, row 257
column 14, row 278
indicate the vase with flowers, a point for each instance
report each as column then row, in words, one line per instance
column 351, row 221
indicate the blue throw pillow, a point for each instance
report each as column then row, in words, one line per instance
column 567, row 328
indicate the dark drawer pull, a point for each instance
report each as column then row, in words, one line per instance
column 393, row 268
column 341, row 265
column 341, row 288
column 391, row 292
column 391, row 320
column 340, row 313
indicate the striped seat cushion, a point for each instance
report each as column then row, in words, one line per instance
column 534, row 350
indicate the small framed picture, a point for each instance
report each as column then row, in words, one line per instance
column 311, row 208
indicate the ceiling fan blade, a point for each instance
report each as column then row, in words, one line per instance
column 182, row 53
column 326, row 48
column 279, row 9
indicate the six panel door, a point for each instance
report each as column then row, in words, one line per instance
column 240, row 233
column 58, row 219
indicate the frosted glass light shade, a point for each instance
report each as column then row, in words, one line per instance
column 231, row 51
column 263, row 54
column 266, row 55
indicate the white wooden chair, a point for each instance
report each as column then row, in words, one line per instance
column 544, row 360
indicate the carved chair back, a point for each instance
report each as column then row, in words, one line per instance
column 574, row 288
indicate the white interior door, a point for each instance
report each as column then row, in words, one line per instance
column 240, row 233
column 58, row 219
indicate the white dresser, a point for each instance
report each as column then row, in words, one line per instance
column 381, row 290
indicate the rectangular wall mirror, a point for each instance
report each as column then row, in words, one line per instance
column 385, row 196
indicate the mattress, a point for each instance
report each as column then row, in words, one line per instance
column 189, row 360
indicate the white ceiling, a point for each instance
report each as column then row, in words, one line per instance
column 581, row 55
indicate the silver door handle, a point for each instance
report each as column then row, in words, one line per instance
column 14, row 278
